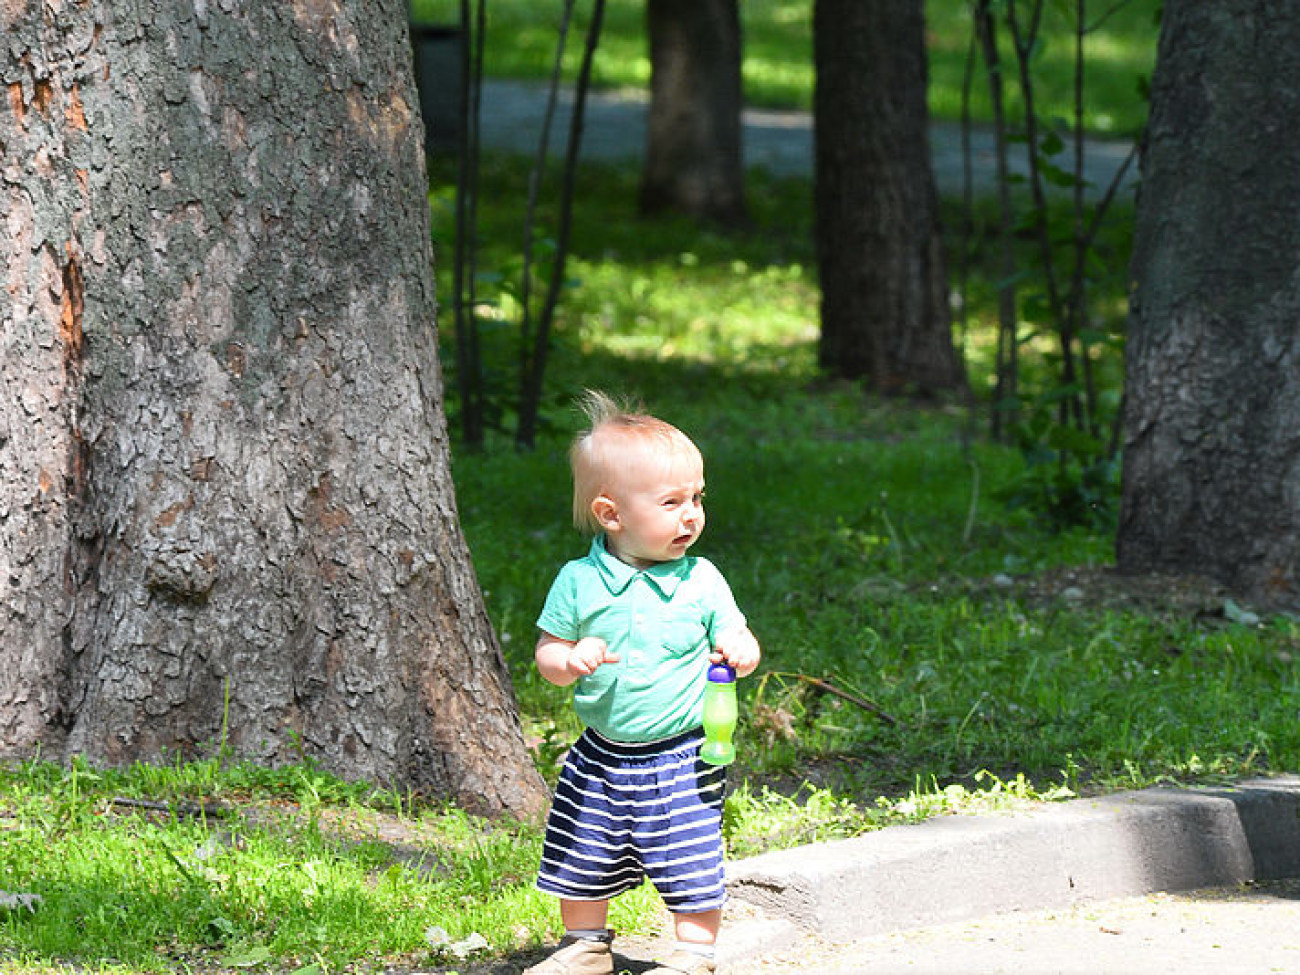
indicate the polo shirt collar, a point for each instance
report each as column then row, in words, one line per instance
column 618, row 575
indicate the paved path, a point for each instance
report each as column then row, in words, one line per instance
column 1232, row 931
column 1155, row 882
column 1075, row 888
column 779, row 141
column 1224, row 931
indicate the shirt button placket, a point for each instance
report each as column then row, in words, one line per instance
column 636, row 644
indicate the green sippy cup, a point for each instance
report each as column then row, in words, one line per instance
column 719, row 716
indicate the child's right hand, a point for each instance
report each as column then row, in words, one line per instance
column 588, row 654
column 563, row 661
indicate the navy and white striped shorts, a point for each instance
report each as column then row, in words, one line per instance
column 623, row 812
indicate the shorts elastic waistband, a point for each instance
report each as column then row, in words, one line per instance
column 635, row 749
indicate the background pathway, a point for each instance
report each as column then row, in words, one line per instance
column 779, row 141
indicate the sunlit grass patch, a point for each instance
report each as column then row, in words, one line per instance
column 238, row 868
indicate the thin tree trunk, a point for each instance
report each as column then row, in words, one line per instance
column 534, row 371
column 464, row 302
column 1006, row 396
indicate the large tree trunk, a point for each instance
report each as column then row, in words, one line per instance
column 227, row 510
column 693, row 160
column 1211, row 479
column 884, row 313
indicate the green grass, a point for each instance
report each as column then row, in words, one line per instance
column 851, row 544
column 778, row 69
column 865, row 539
column 296, row 871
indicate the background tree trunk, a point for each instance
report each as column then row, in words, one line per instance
column 693, row 160
column 1211, row 479
column 225, row 493
column 884, row 314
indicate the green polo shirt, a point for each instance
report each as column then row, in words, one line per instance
column 662, row 623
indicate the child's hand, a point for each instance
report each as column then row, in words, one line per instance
column 563, row 661
column 588, row 654
column 739, row 650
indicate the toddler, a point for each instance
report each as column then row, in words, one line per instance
column 634, row 627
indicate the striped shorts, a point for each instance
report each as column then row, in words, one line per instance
column 623, row 812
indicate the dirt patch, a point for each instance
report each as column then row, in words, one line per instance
column 1104, row 588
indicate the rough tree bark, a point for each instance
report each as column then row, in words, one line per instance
column 225, row 501
column 694, row 157
column 1211, row 479
column 884, row 314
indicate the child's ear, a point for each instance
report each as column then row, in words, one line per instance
column 606, row 512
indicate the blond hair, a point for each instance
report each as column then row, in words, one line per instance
column 617, row 435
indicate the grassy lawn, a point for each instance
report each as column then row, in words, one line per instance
column 873, row 545
column 778, row 71
column 988, row 654
column 222, row 866
column 876, row 546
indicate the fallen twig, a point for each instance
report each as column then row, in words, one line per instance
column 861, row 702
column 195, row 809
column 826, row 687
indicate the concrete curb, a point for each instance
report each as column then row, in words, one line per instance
column 958, row 868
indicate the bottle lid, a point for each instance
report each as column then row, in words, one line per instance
column 721, row 674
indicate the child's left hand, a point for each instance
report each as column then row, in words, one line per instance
column 739, row 650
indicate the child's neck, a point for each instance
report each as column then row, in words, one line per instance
column 639, row 564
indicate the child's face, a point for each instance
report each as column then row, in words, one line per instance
column 654, row 510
